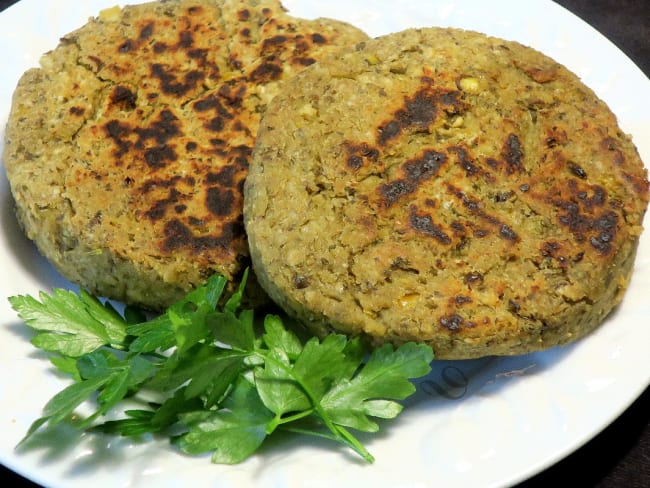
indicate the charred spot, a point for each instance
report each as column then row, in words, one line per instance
column 465, row 161
column 185, row 39
column 146, row 31
column 303, row 61
column 233, row 98
column 506, row 232
column 224, row 177
column 354, row 162
column 555, row 137
column 126, row 46
column 180, row 208
column 389, row 131
column 271, row 43
column 393, row 191
column 117, row 132
column 161, row 130
column 403, row 264
column 219, row 201
column 235, row 62
column 473, row 278
column 573, row 219
column 550, row 248
column 425, row 167
column 198, row 53
column 123, row 97
column 457, row 227
column 300, row 282
column 512, row 154
column 158, row 157
column 240, row 127
column 451, row 102
column 169, row 83
column 474, row 207
column 191, row 146
column 416, row 171
column 492, row 163
column 212, row 102
column 215, row 141
column 513, row 307
column 472, row 204
column 599, row 196
column 215, row 124
column 158, row 210
column 153, row 183
column 503, row 196
column 419, row 112
column 243, row 15
column 300, row 45
column 605, row 226
column 240, row 155
column 357, row 153
column 159, row 47
column 266, row 72
column 452, row 322
column 178, row 236
column 602, row 227
column 424, row 224
column 577, row 170
column 609, row 144
column 461, row 299
column 318, row 38
column 78, row 111
column 245, row 32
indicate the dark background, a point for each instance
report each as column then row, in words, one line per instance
column 620, row 455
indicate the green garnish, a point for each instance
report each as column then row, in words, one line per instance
column 220, row 387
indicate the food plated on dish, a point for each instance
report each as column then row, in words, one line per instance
column 589, row 227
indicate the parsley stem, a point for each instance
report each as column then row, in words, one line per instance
column 340, row 433
column 280, row 420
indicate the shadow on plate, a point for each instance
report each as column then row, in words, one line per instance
column 452, row 382
column 20, row 248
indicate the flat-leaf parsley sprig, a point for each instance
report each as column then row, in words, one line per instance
column 220, row 386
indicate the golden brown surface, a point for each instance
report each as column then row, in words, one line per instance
column 127, row 149
column 445, row 187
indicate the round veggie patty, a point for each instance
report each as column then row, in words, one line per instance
column 126, row 150
column 446, row 187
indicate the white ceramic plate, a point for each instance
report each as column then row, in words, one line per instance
column 489, row 422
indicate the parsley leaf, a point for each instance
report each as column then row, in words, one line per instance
column 218, row 385
column 69, row 323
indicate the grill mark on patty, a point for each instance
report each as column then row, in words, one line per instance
column 419, row 111
column 123, row 98
column 178, row 235
column 423, row 223
column 169, row 81
column 474, row 207
column 416, row 172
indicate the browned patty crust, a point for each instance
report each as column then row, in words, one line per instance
column 128, row 148
column 446, row 187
